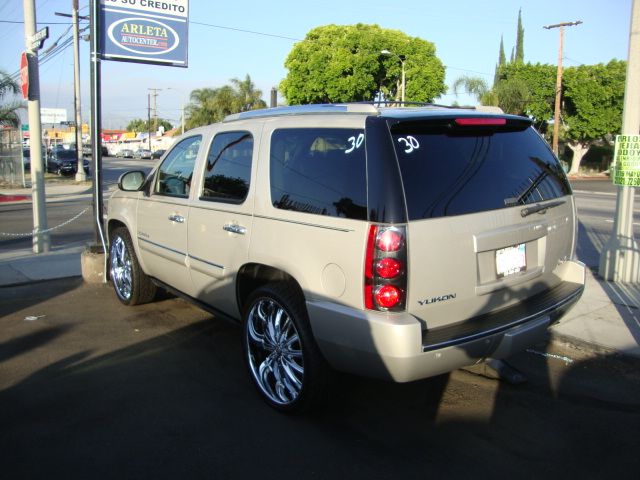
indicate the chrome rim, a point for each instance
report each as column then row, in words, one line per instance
column 121, row 268
column 274, row 351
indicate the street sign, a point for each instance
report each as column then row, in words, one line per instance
column 145, row 32
column 24, row 75
column 37, row 40
column 625, row 169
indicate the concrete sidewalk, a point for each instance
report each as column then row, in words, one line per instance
column 606, row 319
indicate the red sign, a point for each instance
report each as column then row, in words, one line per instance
column 24, row 75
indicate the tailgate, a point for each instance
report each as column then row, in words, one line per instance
column 465, row 266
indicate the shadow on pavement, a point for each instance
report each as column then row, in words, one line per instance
column 160, row 391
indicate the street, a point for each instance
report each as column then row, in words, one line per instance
column 92, row 389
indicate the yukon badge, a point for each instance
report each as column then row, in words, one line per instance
column 441, row 298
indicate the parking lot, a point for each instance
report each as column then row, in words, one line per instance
column 92, row 389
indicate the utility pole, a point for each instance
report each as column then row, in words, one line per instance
column 80, row 175
column 149, row 120
column 41, row 239
column 620, row 257
column 556, row 112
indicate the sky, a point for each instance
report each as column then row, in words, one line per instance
column 254, row 37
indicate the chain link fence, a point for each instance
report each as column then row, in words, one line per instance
column 11, row 163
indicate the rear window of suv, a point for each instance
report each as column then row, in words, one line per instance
column 319, row 171
column 449, row 173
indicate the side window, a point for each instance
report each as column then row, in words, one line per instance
column 174, row 175
column 319, row 171
column 228, row 169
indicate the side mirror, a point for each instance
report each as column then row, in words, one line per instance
column 131, row 181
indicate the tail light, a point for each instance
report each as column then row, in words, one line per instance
column 385, row 271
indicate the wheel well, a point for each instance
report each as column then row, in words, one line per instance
column 255, row 275
column 112, row 225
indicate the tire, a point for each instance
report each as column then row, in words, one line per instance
column 131, row 284
column 280, row 352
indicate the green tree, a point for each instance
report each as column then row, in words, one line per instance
column 594, row 98
column 539, row 80
column 502, row 60
column 344, row 63
column 249, row 97
column 210, row 105
column 519, row 55
column 9, row 111
column 140, row 125
column 475, row 86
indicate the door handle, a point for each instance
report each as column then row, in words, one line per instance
column 176, row 218
column 239, row 229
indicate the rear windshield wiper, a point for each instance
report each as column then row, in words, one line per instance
column 539, row 208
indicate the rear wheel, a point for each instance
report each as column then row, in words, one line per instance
column 283, row 359
column 131, row 284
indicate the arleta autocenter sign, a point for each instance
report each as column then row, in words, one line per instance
column 145, row 31
column 625, row 169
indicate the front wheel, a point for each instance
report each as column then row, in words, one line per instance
column 131, row 284
column 283, row 359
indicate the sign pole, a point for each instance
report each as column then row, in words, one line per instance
column 41, row 239
column 620, row 257
column 96, row 127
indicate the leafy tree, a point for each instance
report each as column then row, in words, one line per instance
column 9, row 111
column 344, row 63
column 594, row 98
column 139, row 125
column 210, row 105
column 540, row 81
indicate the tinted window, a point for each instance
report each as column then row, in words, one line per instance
column 319, row 171
column 228, row 169
column 448, row 174
column 175, row 172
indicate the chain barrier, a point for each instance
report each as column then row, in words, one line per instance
column 31, row 234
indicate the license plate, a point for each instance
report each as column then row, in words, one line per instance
column 511, row 260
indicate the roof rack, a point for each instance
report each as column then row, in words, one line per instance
column 325, row 108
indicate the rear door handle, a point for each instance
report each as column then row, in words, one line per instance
column 239, row 229
column 176, row 218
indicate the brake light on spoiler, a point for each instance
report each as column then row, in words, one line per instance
column 479, row 121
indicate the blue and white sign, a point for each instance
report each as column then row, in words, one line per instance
column 145, row 31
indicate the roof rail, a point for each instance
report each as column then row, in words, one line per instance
column 361, row 108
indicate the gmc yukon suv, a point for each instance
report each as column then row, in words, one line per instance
column 397, row 243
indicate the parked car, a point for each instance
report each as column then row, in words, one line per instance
column 65, row 162
column 87, row 150
column 142, row 153
column 398, row 243
column 125, row 153
column 157, row 154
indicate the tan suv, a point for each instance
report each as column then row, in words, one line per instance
column 395, row 243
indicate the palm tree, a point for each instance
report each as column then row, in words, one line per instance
column 210, row 105
column 9, row 111
column 249, row 96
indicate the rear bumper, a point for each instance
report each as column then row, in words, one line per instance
column 393, row 346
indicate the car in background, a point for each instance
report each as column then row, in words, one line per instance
column 125, row 153
column 142, row 153
column 26, row 159
column 65, row 162
column 87, row 150
column 157, row 154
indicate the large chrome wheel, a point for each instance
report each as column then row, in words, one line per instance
column 283, row 360
column 120, row 268
column 130, row 283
